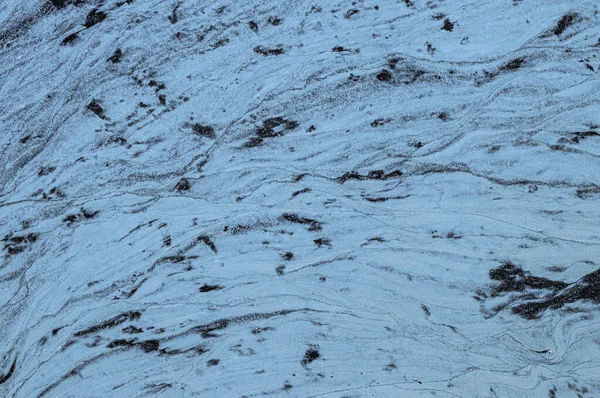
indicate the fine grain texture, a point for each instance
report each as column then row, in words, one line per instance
column 299, row 198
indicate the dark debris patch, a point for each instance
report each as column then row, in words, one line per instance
column 384, row 75
column 588, row 192
column 531, row 296
column 95, row 107
column 82, row 215
column 350, row 13
column 146, row 346
column 513, row 64
column 209, row 288
column 310, row 355
column 275, row 21
column 116, row 57
column 372, row 175
column 94, row 17
column 577, row 136
column 4, row 377
column 305, row 190
column 45, row 170
column 70, row 39
column 448, row 26
column 322, row 242
column 314, row 225
column 204, row 131
column 208, row 242
column 271, row 128
column 18, row 244
column 183, row 185
column 110, row 323
column 268, row 51
column 562, row 25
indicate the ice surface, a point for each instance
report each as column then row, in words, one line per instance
column 299, row 198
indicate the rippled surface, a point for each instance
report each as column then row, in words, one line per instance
column 298, row 198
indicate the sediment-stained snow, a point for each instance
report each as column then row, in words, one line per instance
column 299, row 198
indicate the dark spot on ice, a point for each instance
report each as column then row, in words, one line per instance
column 7, row 375
column 294, row 218
column 204, row 131
column 208, row 242
column 288, row 256
column 70, row 39
column 384, row 76
column 448, row 26
column 513, row 64
column 183, row 185
column 275, row 21
column 310, row 355
column 350, row 13
column 96, row 108
column 94, row 17
column 566, row 21
column 268, row 51
column 131, row 315
column 209, row 288
column 116, row 57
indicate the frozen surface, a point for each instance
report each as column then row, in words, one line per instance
column 299, row 198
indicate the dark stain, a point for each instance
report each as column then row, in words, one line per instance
column 10, row 372
column 271, row 127
column 253, row 26
column 275, row 21
column 310, row 355
column 384, row 75
column 127, row 316
column 588, row 192
column 566, row 21
column 204, row 131
column 84, row 214
column 132, row 330
column 206, row 331
column 94, row 17
column 322, row 242
column 116, row 57
column 294, row 218
column 149, row 345
column 305, row 190
column 448, row 26
column 350, row 13
column 209, row 288
column 373, row 175
column 425, row 310
column 45, row 170
column 96, row 108
column 513, row 64
column 206, row 240
column 551, row 294
column 183, row 185
column 70, row 39
column 268, row 51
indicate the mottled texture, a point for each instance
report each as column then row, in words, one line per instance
column 299, row 198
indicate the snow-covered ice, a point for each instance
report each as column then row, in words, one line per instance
column 299, row 198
